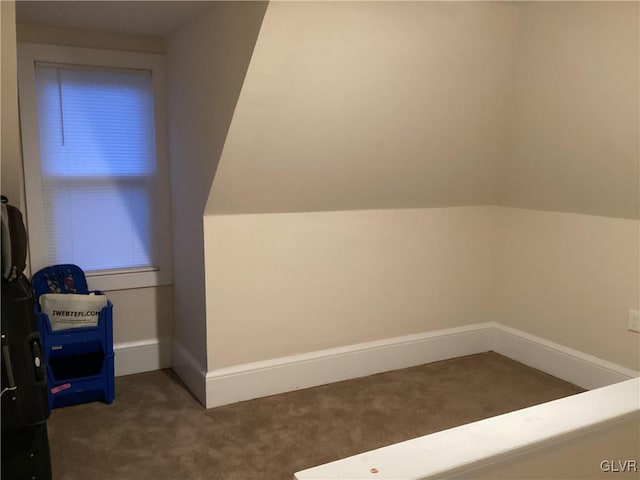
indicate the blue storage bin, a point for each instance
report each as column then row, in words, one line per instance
column 79, row 361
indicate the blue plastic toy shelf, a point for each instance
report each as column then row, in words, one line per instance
column 79, row 361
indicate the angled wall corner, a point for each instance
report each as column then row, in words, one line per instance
column 206, row 64
column 569, row 263
column 570, row 278
column 574, row 140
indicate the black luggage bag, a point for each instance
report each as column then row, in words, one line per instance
column 24, row 401
column 25, row 453
column 25, row 409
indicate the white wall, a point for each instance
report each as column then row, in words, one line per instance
column 282, row 284
column 142, row 313
column 574, row 147
column 12, row 184
column 206, row 63
column 571, row 279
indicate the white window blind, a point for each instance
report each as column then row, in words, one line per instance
column 97, row 158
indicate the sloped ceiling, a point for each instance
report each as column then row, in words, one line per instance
column 364, row 105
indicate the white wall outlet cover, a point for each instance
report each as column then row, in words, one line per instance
column 634, row 321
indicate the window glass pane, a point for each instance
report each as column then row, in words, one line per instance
column 98, row 226
column 95, row 122
column 96, row 132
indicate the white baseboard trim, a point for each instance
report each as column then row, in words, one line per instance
column 245, row 382
column 190, row 371
column 142, row 356
column 571, row 365
column 270, row 377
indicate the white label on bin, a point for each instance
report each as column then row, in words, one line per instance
column 68, row 310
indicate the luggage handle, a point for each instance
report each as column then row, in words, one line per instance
column 6, row 363
column 38, row 359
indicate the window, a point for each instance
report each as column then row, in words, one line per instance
column 95, row 169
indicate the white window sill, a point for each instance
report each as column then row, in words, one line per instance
column 127, row 280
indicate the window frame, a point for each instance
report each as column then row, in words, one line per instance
column 28, row 55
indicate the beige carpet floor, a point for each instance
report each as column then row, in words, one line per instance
column 156, row 430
